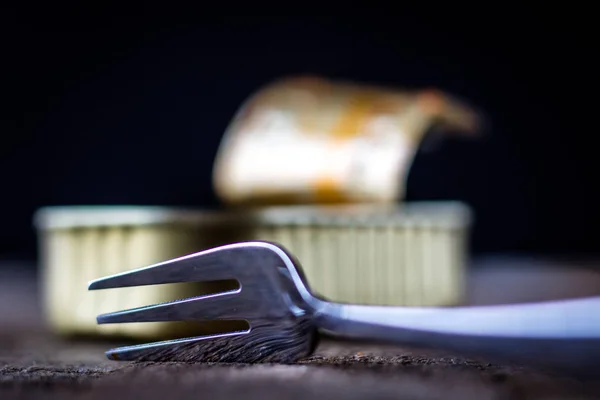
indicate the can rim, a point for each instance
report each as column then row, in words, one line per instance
column 424, row 213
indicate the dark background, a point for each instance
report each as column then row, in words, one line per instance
column 124, row 104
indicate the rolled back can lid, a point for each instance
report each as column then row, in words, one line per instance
column 308, row 139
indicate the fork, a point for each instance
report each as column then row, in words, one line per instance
column 285, row 316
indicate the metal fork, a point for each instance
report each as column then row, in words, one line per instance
column 285, row 316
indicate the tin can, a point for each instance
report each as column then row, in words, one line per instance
column 405, row 255
column 306, row 140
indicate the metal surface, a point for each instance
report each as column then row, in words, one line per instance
column 284, row 316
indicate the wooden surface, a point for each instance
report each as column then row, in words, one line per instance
column 35, row 364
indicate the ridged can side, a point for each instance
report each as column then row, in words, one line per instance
column 413, row 254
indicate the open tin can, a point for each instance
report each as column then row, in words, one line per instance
column 292, row 167
column 411, row 254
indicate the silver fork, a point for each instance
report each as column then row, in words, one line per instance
column 285, row 316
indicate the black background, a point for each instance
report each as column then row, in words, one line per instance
column 126, row 104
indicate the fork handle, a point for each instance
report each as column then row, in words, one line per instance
column 563, row 334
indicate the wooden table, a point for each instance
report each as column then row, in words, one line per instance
column 36, row 364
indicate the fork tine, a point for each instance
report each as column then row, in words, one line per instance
column 224, row 305
column 208, row 265
column 179, row 349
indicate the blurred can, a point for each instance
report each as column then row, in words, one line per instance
column 311, row 140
